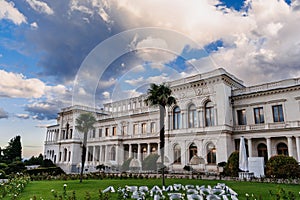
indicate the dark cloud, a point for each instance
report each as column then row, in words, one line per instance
column 3, row 114
column 64, row 38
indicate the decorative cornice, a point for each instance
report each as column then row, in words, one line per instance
column 267, row 92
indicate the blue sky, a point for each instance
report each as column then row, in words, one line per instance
column 44, row 44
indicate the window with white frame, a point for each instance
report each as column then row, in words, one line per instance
column 177, row 154
column 209, row 114
column 277, row 113
column 259, row 115
column 176, row 118
column 192, row 116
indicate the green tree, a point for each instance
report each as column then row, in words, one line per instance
column 232, row 166
column 150, row 162
column 281, row 166
column 35, row 160
column 161, row 96
column 84, row 123
column 13, row 152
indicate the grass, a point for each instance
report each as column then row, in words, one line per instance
column 42, row 189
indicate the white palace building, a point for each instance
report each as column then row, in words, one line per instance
column 213, row 111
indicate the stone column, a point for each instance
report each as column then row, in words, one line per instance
column 158, row 149
column 215, row 115
column 130, row 151
column 250, row 147
column 117, row 153
column 290, row 146
column 200, row 117
column 148, row 149
column 105, row 156
column 100, row 154
column 269, row 148
column 94, row 155
column 298, row 147
column 139, row 152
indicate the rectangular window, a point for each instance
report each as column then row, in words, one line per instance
column 94, row 133
column 259, row 115
column 277, row 113
column 135, row 129
column 59, row 157
column 153, row 127
column 106, row 132
column 114, row 131
column 100, row 132
column 241, row 115
column 144, row 128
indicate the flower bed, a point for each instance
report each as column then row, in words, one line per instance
column 13, row 187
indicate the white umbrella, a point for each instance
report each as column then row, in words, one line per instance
column 243, row 159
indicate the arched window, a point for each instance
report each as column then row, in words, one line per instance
column 282, row 149
column 113, row 153
column 209, row 114
column 262, row 151
column 176, row 118
column 177, row 154
column 192, row 151
column 211, row 154
column 192, row 117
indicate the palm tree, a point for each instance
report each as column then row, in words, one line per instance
column 160, row 95
column 84, row 123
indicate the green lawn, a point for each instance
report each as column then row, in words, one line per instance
column 42, row 189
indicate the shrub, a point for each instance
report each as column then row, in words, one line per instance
column 14, row 167
column 232, row 166
column 149, row 163
column 47, row 163
column 2, row 174
column 50, row 170
column 125, row 165
column 3, row 166
column 281, row 166
column 222, row 164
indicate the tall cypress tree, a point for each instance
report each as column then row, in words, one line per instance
column 13, row 152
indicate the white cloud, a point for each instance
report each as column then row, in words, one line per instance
column 106, row 94
column 198, row 19
column 8, row 11
column 256, row 44
column 17, row 85
column 40, row 7
column 34, row 25
column 91, row 7
column 158, row 79
column 272, row 45
column 23, row 116
column 138, row 68
column 108, row 83
column 135, row 82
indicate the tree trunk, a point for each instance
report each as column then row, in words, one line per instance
column 83, row 156
column 162, row 140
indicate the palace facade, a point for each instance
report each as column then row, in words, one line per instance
column 213, row 111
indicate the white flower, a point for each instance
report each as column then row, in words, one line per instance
column 52, row 190
column 65, row 185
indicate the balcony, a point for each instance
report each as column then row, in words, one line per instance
column 268, row 126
